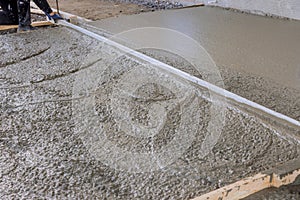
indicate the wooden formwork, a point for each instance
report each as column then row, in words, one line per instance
column 35, row 24
column 283, row 174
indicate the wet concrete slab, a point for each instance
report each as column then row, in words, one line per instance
column 258, row 45
column 287, row 8
column 79, row 119
column 257, row 56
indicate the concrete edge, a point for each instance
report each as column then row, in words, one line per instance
column 200, row 82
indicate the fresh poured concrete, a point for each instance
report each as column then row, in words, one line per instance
column 81, row 120
column 73, row 109
column 257, row 57
column 283, row 8
column 258, row 45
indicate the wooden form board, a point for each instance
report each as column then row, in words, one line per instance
column 192, row 6
column 37, row 11
column 284, row 174
column 35, row 24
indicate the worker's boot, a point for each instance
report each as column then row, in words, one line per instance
column 24, row 15
column 25, row 28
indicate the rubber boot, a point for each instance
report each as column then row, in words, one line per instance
column 24, row 16
column 25, row 28
column 24, row 12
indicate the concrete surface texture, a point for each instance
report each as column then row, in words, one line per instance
column 48, row 149
column 281, row 8
column 257, row 56
column 262, row 46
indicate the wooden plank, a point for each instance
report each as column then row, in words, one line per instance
column 240, row 189
column 279, row 180
column 42, row 23
column 33, row 5
column 35, row 24
column 192, row 6
column 7, row 27
column 284, row 174
column 37, row 11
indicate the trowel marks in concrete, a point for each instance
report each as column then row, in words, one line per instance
column 46, row 153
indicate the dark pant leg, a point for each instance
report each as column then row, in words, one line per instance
column 43, row 5
column 24, row 12
column 4, row 19
column 4, row 5
column 13, row 7
column 10, row 12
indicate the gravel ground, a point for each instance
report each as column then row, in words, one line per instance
column 48, row 149
column 101, row 9
column 154, row 4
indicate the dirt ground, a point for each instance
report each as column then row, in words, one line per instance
column 98, row 9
